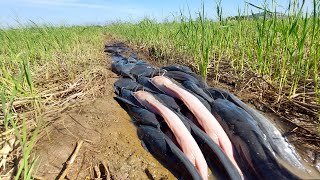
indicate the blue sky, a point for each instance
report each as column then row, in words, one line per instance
column 105, row 11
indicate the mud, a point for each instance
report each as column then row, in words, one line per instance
column 109, row 136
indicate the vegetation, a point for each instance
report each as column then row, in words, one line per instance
column 284, row 50
column 44, row 70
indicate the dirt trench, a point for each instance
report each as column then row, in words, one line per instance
column 108, row 136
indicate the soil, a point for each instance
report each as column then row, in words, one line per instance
column 110, row 137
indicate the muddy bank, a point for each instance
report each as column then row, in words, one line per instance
column 108, row 135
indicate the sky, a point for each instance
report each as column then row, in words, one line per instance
column 82, row 12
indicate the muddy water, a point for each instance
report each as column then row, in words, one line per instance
column 108, row 136
column 305, row 152
column 309, row 156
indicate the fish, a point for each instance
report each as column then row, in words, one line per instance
column 177, row 67
column 165, row 151
column 181, row 133
column 116, row 48
column 204, row 117
column 190, row 85
column 155, row 140
column 146, row 70
column 185, row 72
column 278, row 143
column 251, row 143
column 182, row 76
column 270, row 147
column 122, row 66
column 221, row 166
column 218, row 161
column 145, row 81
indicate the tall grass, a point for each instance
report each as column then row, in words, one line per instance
column 10, row 122
column 281, row 48
column 36, row 60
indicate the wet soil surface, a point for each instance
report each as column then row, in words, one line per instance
column 109, row 136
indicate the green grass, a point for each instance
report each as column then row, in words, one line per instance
column 282, row 50
column 33, row 60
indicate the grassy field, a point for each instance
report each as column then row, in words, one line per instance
column 285, row 50
column 45, row 69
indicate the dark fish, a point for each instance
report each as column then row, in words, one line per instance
column 137, row 113
column 182, row 76
column 141, row 62
column 121, row 66
column 204, row 117
column 116, row 48
column 190, row 85
column 141, row 71
column 125, row 86
column 126, row 83
column 168, row 101
column 146, row 83
column 156, row 141
column 188, row 71
column 127, row 94
column 279, row 145
column 250, row 142
column 165, row 151
column 218, row 162
column 177, row 67
column 202, row 100
column 145, row 70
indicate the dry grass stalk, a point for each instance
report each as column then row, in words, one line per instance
column 70, row 161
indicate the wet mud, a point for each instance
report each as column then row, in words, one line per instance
column 109, row 136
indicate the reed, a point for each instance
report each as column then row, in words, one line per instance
column 36, row 63
column 283, row 48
